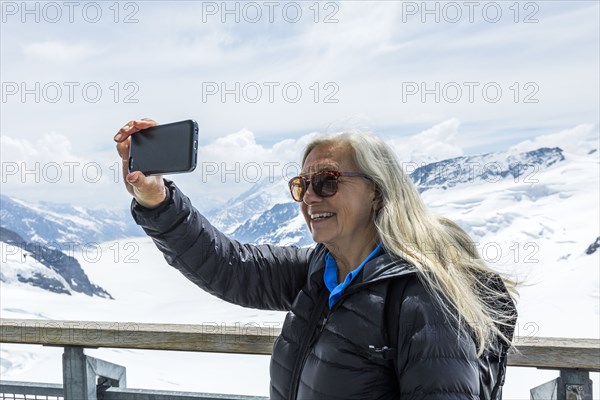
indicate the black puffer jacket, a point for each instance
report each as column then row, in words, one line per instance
column 342, row 353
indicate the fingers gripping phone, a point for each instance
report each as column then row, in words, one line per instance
column 165, row 149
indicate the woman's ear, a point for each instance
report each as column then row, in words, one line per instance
column 377, row 199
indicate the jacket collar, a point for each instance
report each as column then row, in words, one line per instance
column 382, row 267
column 386, row 266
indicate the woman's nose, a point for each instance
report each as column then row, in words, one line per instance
column 310, row 197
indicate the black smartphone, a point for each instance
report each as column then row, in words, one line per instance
column 165, row 149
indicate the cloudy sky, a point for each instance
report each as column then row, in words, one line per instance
column 436, row 79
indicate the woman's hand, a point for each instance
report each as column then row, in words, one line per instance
column 149, row 191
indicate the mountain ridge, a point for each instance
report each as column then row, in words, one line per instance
column 240, row 220
column 64, row 223
column 51, row 269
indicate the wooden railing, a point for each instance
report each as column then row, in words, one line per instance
column 248, row 339
column 541, row 352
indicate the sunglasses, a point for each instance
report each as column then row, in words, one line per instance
column 324, row 183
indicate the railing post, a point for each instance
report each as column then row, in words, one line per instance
column 572, row 384
column 576, row 384
column 79, row 381
column 80, row 373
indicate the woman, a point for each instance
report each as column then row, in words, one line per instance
column 393, row 302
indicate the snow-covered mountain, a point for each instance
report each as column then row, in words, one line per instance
column 42, row 266
column 248, row 206
column 489, row 167
column 282, row 224
column 64, row 223
column 39, row 241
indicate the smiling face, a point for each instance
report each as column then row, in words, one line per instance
column 344, row 220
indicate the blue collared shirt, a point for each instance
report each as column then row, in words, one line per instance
column 331, row 275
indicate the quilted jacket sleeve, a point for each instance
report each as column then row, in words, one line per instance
column 435, row 361
column 265, row 277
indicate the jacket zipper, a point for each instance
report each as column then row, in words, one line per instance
column 310, row 339
column 305, row 345
column 337, row 304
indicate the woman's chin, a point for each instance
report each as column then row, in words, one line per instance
column 321, row 238
column 318, row 238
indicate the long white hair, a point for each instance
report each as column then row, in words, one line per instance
column 443, row 253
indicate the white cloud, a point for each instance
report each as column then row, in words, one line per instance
column 231, row 164
column 60, row 52
column 369, row 53
column 433, row 144
column 50, row 147
column 578, row 140
column 47, row 168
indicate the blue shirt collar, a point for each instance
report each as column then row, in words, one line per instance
column 331, row 275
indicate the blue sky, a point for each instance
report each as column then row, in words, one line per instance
column 368, row 65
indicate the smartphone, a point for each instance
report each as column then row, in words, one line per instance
column 165, row 149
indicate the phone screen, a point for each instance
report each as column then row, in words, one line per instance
column 165, row 149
